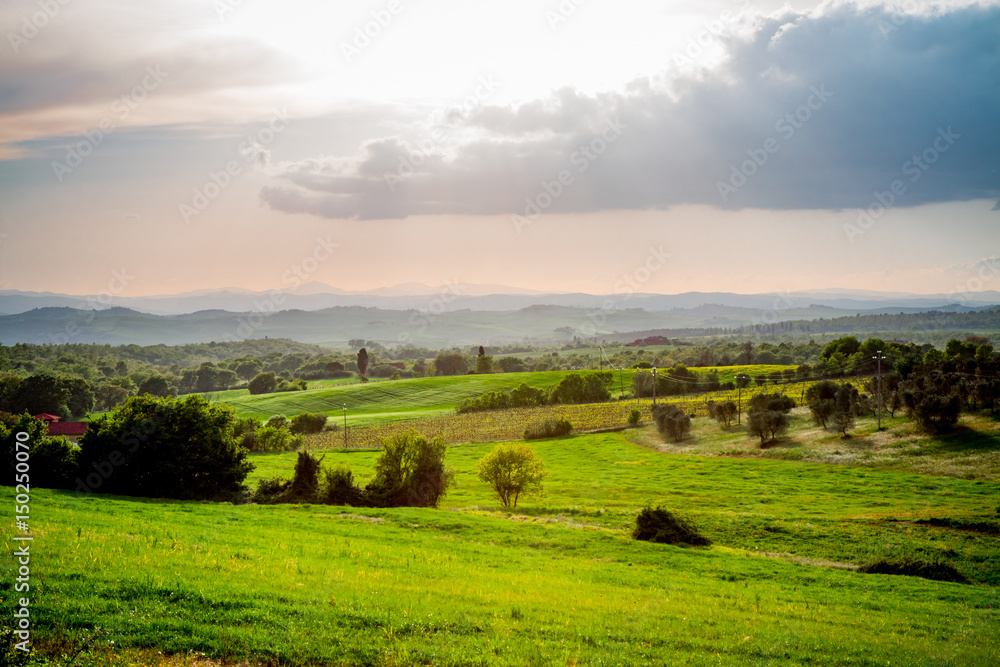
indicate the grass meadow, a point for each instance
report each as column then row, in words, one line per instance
column 121, row 582
column 556, row 581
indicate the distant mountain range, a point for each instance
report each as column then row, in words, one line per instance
column 444, row 327
column 453, row 297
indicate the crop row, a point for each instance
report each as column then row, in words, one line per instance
column 500, row 425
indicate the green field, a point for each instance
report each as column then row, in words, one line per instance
column 393, row 399
column 556, row 582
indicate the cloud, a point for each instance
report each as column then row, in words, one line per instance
column 809, row 110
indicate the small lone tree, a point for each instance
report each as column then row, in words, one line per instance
column 362, row 362
column 512, row 470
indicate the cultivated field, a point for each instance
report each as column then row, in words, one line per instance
column 556, row 580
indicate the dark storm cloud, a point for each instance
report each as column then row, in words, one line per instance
column 819, row 110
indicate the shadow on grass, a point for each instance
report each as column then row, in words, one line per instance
column 965, row 439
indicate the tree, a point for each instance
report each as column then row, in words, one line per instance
column 263, row 383
column 52, row 460
column 484, row 363
column 81, row 396
column 766, row 424
column 306, row 422
column 42, row 393
column 671, row 421
column 249, row 368
column 512, row 470
column 362, row 362
column 410, row 472
column 450, row 363
column 511, row 365
column 164, row 448
column 356, row 343
column 725, row 413
column 110, row 396
column 155, row 385
column 748, row 351
column 935, row 413
column 583, row 388
column 822, row 401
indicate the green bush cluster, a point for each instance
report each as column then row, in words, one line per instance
column 550, row 428
column 409, row 472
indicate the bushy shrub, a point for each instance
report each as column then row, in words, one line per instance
column 550, row 428
column 634, row 417
column 271, row 439
column 935, row 570
column 338, row 487
column 664, row 527
column 52, row 460
column 305, row 481
column 277, row 421
column 671, row 421
column 270, row 491
column 307, row 423
column 410, row 472
column 53, row 463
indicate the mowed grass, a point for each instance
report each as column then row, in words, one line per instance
column 394, row 399
column 303, row 585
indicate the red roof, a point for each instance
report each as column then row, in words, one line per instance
column 46, row 417
column 67, row 428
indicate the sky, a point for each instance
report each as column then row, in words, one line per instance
column 576, row 145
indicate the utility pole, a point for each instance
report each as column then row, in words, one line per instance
column 345, row 425
column 739, row 397
column 621, row 384
column 878, row 361
column 654, row 387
